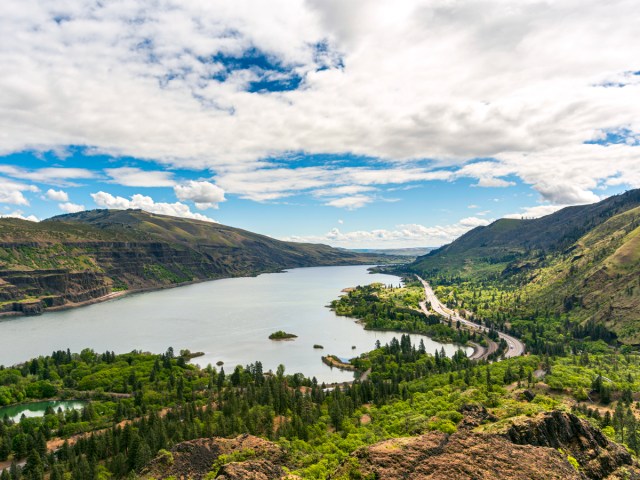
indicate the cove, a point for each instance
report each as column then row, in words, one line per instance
column 37, row 409
column 229, row 320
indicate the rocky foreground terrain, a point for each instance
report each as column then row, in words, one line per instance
column 553, row 445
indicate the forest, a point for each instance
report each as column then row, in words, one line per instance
column 141, row 405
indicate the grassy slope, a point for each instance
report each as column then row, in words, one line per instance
column 598, row 279
column 490, row 249
column 581, row 261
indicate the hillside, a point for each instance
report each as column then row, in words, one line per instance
column 580, row 263
column 82, row 256
column 490, row 249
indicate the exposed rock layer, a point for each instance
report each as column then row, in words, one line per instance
column 79, row 257
column 531, row 448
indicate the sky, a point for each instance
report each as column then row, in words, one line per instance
column 360, row 124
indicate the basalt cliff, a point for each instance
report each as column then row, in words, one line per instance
column 75, row 258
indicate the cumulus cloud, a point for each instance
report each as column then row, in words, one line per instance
column 447, row 81
column 203, row 194
column 536, row 211
column 473, row 222
column 410, row 235
column 57, row 195
column 136, row 177
column 69, row 207
column 12, row 191
column 137, row 201
column 20, row 214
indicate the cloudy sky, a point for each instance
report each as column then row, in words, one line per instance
column 355, row 123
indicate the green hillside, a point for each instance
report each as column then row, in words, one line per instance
column 77, row 257
column 490, row 249
column 577, row 269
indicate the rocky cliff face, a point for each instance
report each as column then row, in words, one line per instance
column 554, row 445
column 551, row 446
column 245, row 457
column 79, row 257
column 32, row 291
column 598, row 456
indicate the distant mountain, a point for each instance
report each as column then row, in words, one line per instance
column 401, row 252
column 81, row 256
column 583, row 261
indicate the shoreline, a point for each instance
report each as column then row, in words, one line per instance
column 120, row 293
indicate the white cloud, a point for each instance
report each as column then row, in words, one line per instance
column 536, row 212
column 473, row 222
column 265, row 184
column 410, row 235
column 449, row 81
column 71, row 207
column 350, row 203
column 50, row 175
column 19, row 214
column 57, row 195
column 135, row 177
column 203, row 194
column 342, row 190
column 137, row 201
column 12, row 192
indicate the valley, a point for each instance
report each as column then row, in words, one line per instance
column 490, row 343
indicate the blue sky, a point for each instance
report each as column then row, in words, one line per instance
column 358, row 124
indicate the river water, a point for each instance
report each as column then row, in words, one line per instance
column 230, row 320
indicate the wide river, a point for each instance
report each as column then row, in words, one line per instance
column 230, row 320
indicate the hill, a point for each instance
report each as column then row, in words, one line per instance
column 82, row 256
column 580, row 264
column 401, row 252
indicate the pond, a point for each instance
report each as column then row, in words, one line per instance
column 37, row 409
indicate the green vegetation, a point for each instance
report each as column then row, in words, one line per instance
column 558, row 282
column 79, row 255
column 282, row 335
column 546, row 281
column 164, row 401
column 381, row 307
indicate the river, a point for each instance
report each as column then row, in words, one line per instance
column 230, row 320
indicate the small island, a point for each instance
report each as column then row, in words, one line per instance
column 281, row 335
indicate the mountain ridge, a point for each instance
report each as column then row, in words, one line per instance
column 78, row 257
column 580, row 263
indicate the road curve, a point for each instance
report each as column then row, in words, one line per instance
column 515, row 346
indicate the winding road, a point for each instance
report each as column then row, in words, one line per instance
column 515, row 346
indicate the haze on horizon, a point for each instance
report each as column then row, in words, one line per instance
column 357, row 124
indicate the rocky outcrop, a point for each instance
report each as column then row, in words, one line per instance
column 541, row 448
column 32, row 291
column 597, row 455
column 246, row 457
column 251, row 470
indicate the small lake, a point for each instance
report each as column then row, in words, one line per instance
column 37, row 409
column 228, row 319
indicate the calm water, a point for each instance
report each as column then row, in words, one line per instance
column 37, row 409
column 228, row 319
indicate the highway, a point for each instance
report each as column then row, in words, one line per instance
column 515, row 346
